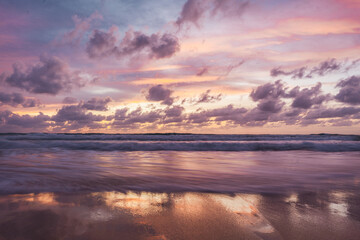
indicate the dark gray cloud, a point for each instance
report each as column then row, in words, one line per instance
column 296, row 73
column 255, row 117
column 269, row 101
column 175, row 114
column 13, row 122
column 332, row 112
column 305, row 109
column 228, row 113
column 163, row 46
column 31, row 102
column 306, row 98
column 69, row 100
column 269, row 96
column 126, row 118
column 349, row 90
column 234, row 115
column 194, row 10
column 15, row 99
column 104, row 44
column 97, row 104
column 101, row 44
column 75, row 113
column 270, row 105
column 51, row 75
column 270, row 109
column 174, row 111
column 160, row 93
column 75, row 117
column 322, row 69
column 268, row 90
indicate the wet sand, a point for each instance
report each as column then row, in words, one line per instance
column 190, row 215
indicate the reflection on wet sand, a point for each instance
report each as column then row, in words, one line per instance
column 146, row 215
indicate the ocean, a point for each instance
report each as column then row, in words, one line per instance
column 179, row 186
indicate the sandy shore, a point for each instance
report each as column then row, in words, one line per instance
column 145, row 215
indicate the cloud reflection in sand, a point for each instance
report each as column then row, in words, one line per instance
column 147, row 215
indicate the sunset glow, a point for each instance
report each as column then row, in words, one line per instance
column 120, row 67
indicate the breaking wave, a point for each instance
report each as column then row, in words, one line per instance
column 181, row 142
column 176, row 137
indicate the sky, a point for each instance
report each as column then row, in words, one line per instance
column 195, row 66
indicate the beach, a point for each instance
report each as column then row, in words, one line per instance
column 98, row 186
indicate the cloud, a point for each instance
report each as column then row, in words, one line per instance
column 332, row 112
column 51, row 76
column 15, row 99
column 126, row 118
column 101, row 44
column 306, row 98
column 268, row 96
column 30, row 102
column 322, row 69
column 202, row 71
column 270, row 93
column 194, row 10
column 191, row 12
column 164, row 46
column 340, row 122
column 69, row 100
column 96, row 104
column 349, row 90
column 296, row 73
column 75, row 113
column 75, row 117
column 270, row 109
column 204, row 97
column 156, row 46
column 268, row 90
column 174, row 111
column 81, row 27
column 229, row 7
column 160, row 93
column 353, row 64
column 13, row 122
column 228, row 113
column 230, row 68
column 272, row 105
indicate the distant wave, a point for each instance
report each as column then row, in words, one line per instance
column 323, row 146
column 176, row 137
